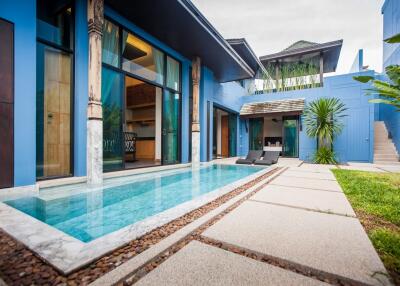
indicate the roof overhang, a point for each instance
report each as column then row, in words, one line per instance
column 330, row 52
column 286, row 106
column 242, row 47
column 180, row 25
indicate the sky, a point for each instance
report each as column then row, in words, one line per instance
column 269, row 26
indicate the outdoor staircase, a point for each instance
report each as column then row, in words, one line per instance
column 384, row 150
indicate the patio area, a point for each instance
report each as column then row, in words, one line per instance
column 302, row 206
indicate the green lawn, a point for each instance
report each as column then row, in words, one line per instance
column 375, row 198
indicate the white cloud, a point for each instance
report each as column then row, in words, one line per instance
column 272, row 25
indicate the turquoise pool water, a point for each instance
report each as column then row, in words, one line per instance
column 91, row 214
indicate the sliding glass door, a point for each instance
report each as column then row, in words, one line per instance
column 291, row 136
column 170, row 127
column 256, row 126
column 141, row 94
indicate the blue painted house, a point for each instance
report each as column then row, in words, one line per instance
column 146, row 95
column 391, row 56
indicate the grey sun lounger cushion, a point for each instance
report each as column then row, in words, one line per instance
column 251, row 157
column 269, row 158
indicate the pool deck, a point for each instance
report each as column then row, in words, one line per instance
column 298, row 230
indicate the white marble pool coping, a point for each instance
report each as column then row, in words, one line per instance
column 67, row 253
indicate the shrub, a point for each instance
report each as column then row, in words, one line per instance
column 325, row 155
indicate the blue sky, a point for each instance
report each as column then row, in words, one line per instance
column 272, row 25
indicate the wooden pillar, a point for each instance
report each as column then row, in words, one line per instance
column 94, row 113
column 277, row 75
column 321, row 69
column 196, row 71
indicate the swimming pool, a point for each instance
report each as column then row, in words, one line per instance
column 90, row 214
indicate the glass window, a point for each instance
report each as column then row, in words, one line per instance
column 110, row 44
column 55, row 22
column 173, row 73
column 53, row 115
column 111, row 97
column 142, row 59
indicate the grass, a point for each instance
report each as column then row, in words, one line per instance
column 375, row 198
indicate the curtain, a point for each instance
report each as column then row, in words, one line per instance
column 158, row 58
column 112, row 119
column 171, row 104
column 255, row 133
column 172, row 74
column 110, row 44
column 232, row 124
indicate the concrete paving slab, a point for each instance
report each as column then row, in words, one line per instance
column 330, row 202
column 201, row 264
column 316, row 184
column 310, row 170
column 288, row 162
column 317, row 166
column 389, row 168
column 331, row 243
column 309, row 175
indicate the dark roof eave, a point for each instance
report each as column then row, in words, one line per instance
column 307, row 50
column 189, row 6
column 183, row 28
column 242, row 41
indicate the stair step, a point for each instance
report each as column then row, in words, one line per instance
column 388, row 158
column 384, row 149
column 386, row 162
column 386, row 154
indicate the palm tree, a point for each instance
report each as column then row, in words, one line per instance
column 389, row 92
column 322, row 118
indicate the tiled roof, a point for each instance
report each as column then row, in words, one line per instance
column 299, row 45
column 277, row 106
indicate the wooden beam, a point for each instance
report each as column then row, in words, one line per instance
column 277, row 75
column 196, row 74
column 321, row 68
column 94, row 147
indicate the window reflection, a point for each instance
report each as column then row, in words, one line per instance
column 142, row 59
column 55, row 22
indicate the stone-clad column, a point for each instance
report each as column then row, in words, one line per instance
column 196, row 69
column 321, row 69
column 94, row 112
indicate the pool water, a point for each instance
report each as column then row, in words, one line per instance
column 88, row 215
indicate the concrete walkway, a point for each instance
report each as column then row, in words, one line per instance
column 301, row 222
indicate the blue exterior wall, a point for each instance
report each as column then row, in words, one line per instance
column 227, row 96
column 81, row 87
column 23, row 14
column 356, row 141
column 391, row 56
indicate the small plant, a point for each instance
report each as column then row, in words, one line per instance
column 325, row 155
